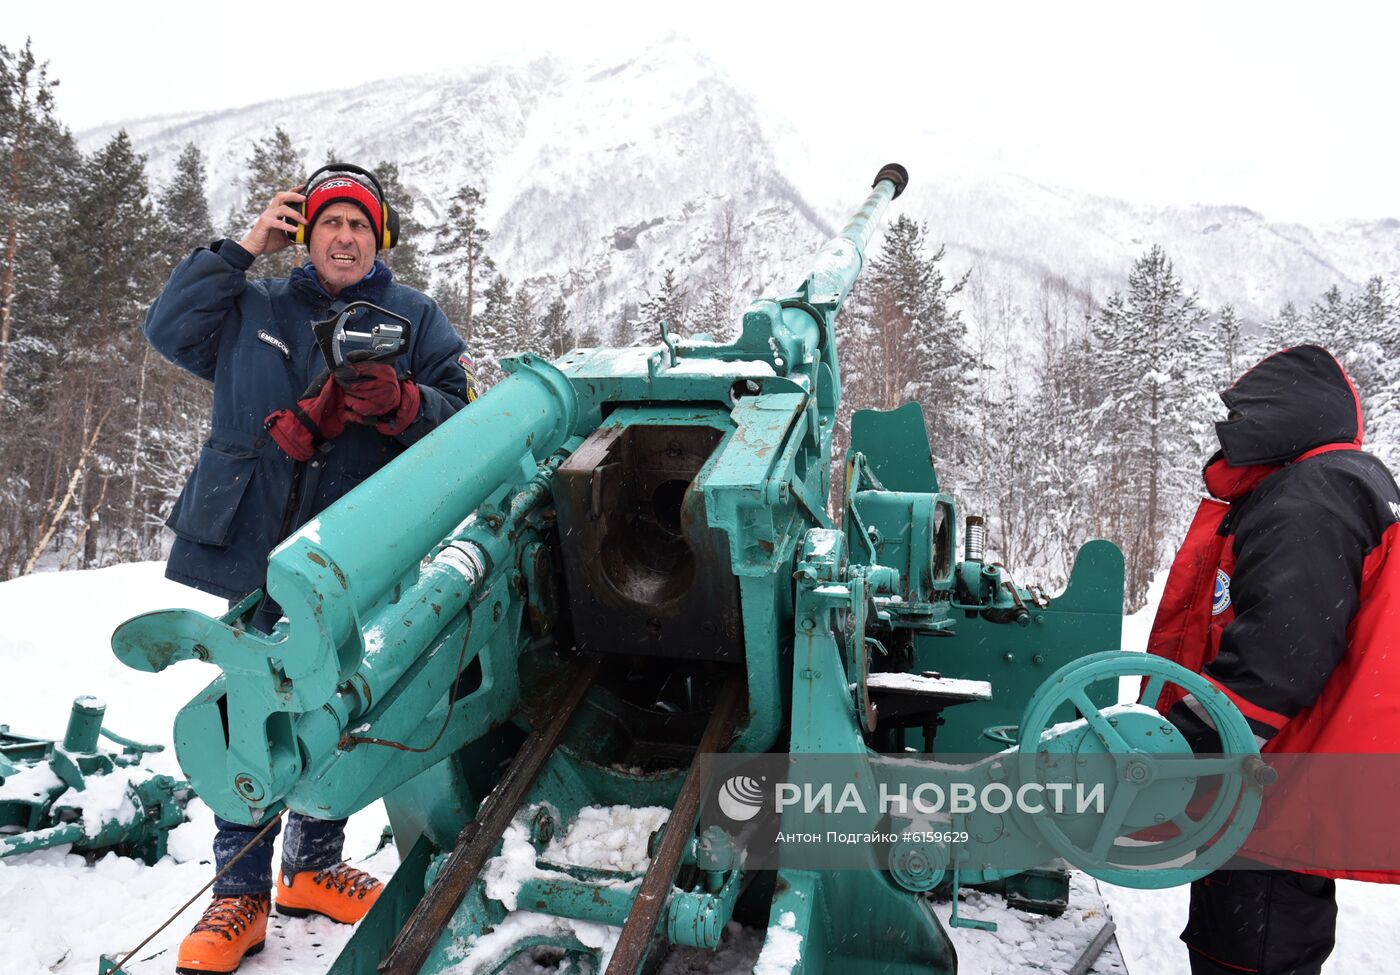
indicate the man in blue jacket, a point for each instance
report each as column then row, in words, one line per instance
column 287, row 440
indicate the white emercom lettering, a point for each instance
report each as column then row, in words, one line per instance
column 272, row 340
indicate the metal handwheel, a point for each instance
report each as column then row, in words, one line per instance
column 1148, row 773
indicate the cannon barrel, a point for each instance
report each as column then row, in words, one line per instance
column 443, row 479
column 839, row 262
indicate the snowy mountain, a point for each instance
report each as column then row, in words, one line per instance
column 598, row 178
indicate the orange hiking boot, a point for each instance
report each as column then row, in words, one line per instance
column 340, row 893
column 231, row 929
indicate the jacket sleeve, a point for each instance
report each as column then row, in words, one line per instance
column 442, row 382
column 1296, row 587
column 200, row 299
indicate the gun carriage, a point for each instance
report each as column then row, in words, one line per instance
column 614, row 567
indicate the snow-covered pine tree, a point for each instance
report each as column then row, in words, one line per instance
column 1286, row 329
column 714, row 306
column 669, row 303
column 493, row 330
column 1225, row 355
column 1368, row 346
column 27, row 121
column 1383, row 421
column 38, row 169
column 911, row 344
column 183, row 210
column 461, row 240
column 629, row 326
column 589, row 337
column 1374, row 315
column 453, row 301
column 1229, row 346
column 899, row 340
column 991, row 467
column 1062, row 479
column 555, row 335
column 274, row 164
column 1329, row 319
column 522, row 328
column 110, row 270
column 1153, row 369
column 407, row 259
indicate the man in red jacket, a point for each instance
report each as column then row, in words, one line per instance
column 1277, row 598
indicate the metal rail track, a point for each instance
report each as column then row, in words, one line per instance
column 479, row 837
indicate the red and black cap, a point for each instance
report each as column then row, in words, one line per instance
column 345, row 187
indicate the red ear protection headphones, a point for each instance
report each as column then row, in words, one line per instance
column 389, row 217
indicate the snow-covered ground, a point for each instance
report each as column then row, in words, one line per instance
column 60, row 913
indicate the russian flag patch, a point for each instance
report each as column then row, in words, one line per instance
column 468, row 365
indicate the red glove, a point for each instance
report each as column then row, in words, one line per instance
column 314, row 420
column 375, row 394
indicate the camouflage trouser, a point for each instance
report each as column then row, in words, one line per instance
column 308, row 844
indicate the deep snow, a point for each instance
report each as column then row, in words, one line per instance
column 60, row 913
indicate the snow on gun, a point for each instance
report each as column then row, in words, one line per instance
column 72, row 794
column 611, row 574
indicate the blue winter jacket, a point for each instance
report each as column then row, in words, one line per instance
column 253, row 341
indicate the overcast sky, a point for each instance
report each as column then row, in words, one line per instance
column 1287, row 108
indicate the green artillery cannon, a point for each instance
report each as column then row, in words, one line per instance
column 71, row 793
column 613, row 571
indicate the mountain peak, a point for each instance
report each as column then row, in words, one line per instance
column 600, row 174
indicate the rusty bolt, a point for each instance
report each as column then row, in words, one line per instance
column 541, row 827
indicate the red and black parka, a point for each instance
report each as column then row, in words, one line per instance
column 1284, row 594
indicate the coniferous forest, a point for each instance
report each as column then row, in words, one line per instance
column 1059, row 419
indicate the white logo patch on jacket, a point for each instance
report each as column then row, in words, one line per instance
column 1221, row 599
column 272, row 340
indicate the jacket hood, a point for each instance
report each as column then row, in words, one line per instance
column 1290, row 403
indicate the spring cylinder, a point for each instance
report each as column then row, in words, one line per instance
column 976, row 535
